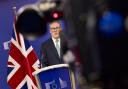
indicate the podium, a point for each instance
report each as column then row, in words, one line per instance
column 55, row 77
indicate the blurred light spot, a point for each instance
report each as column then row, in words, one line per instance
column 47, row 6
column 111, row 24
column 55, row 15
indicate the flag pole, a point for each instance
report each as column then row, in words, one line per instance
column 14, row 10
column 14, row 26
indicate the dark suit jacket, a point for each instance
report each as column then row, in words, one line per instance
column 49, row 53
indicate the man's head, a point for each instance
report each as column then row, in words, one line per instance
column 55, row 29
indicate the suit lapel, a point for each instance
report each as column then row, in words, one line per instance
column 61, row 52
column 53, row 48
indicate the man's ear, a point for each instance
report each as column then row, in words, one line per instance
column 60, row 30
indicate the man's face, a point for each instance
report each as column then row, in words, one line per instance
column 55, row 29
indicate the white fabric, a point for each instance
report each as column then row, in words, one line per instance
column 54, row 41
column 57, row 45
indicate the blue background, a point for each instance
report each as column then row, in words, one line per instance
column 6, row 25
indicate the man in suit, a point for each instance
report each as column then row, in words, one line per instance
column 54, row 48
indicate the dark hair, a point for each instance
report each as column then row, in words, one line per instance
column 55, row 21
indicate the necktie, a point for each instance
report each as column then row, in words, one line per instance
column 57, row 47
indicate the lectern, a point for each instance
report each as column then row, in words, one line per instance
column 55, row 77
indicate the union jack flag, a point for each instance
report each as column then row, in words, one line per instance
column 22, row 62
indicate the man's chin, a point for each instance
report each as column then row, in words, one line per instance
column 56, row 37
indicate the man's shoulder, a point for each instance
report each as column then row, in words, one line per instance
column 47, row 42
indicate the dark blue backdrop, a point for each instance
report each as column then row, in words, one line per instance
column 6, row 21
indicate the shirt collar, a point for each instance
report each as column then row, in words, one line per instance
column 54, row 40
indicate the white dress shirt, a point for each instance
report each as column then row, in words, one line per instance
column 54, row 41
column 58, row 42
